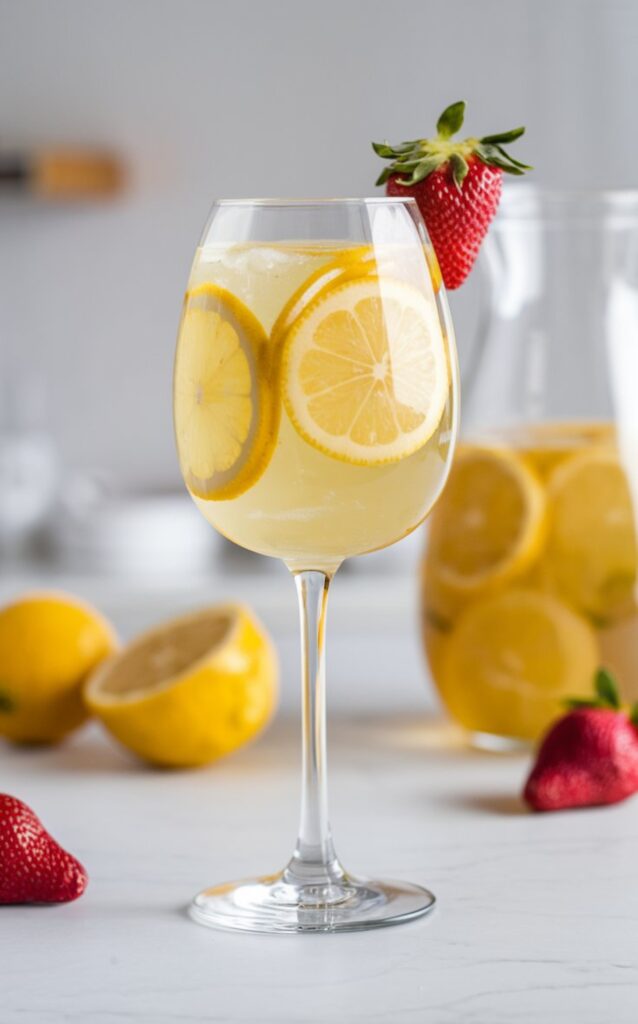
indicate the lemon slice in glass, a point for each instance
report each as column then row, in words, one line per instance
column 364, row 371
column 356, row 261
column 225, row 409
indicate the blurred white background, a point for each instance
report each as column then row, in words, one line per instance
column 204, row 98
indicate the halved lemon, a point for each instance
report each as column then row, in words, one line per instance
column 591, row 550
column 512, row 659
column 225, row 407
column 191, row 690
column 364, row 371
column 487, row 530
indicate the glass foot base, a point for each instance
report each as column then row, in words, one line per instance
column 274, row 904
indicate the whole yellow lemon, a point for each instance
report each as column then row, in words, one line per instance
column 49, row 643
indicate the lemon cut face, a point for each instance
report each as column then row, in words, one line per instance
column 225, row 410
column 365, row 375
column 190, row 691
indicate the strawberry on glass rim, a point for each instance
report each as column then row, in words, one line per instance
column 456, row 184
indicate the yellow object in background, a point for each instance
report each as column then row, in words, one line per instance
column 591, row 550
column 530, row 578
column 49, row 643
column 191, row 690
column 513, row 658
column 492, row 530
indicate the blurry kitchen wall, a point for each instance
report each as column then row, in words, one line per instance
column 272, row 97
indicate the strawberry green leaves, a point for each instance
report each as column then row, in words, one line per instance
column 606, row 694
column 414, row 161
column 459, row 169
column 451, row 120
column 607, row 689
column 495, row 156
column 504, row 137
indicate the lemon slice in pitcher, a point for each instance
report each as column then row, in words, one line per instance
column 592, row 553
column 490, row 522
column 364, row 374
column 513, row 658
column 225, row 411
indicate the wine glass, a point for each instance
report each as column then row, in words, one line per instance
column 315, row 403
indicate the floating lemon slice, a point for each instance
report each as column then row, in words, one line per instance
column 225, row 408
column 191, row 690
column 488, row 528
column 350, row 262
column 512, row 659
column 591, row 551
column 364, row 372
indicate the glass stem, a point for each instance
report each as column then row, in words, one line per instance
column 314, row 861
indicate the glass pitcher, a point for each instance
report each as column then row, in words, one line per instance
column 529, row 579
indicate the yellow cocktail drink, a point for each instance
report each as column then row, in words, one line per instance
column 313, row 405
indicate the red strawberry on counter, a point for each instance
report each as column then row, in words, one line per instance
column 456, row 185
column 589, row 756
column 33, row 867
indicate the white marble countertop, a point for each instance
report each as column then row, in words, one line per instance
column 536, row 918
